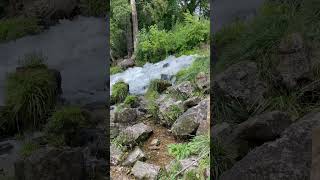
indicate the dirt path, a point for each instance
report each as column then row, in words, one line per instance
column 159, row 157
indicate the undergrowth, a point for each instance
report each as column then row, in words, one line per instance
column 14, row 28
column 30, row 97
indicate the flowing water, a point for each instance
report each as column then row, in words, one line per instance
column 139, row 78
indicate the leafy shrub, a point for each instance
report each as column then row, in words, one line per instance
column 94, row 7
column 115, row 70
column 155, row 44
column 173, row 113
column 28, row 148
column 120, row 91
column 65, row 122
column 30, row 96
column 14, row 28
column 158, row 85
column 131, row 101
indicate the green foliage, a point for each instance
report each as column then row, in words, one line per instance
column 201, row 64
column 196, row 146
column 14, row 28
column 158, row 85
column 170, row 175
column 3, row 5
column 64, row 123
column 222, row 159
column 173, row 113
column 255, row 39
column 155, row 44
column 30, row 96
column 28, row 148
column 153, row 109
column 120, row 90
column 131, row 101
column 66, row 119
column 94, row 7
column 119, row 23
column 115, row 70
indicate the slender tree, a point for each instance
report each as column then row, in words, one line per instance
column 134, row 24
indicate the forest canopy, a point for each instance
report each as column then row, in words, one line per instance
column 162, row 25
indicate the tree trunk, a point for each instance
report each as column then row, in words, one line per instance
column 134, row 24
column 129, row 38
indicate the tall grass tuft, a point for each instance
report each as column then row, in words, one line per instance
column 30, row 97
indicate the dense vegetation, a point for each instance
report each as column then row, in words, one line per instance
column 165, row 28
column 14, row 24
column 30, row 95
column 259, row 40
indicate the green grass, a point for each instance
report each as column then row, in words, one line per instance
column 131, row 101
column 30, row 97
column 158, row 85
column 28, row 148
column 199, row 146
column 64, row 122
column 115, row 70
column 173, row 113
column 201, row 64
column 258, row 41
column 14, row 28
column 120, row 90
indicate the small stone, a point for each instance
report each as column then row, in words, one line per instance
column 136, row 155
column 154, row 147
column 146, row 171
column 116, row 155
column 155, row 142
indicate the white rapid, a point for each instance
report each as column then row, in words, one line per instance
column 139, row 78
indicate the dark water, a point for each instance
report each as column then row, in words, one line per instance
column 76, row 48
column 226, row 11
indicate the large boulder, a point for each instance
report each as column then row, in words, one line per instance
column 189, row 103
column 240, row 81
column 184, row 89
column 315, row 168
column 94, row 139
column 286, row 158
column 135, row 134
column 136, row 155
column 49, row 11
column 188, row 123
column 96, row 169
column 221, row 130
column 116, row 155
column 52, row 164
column 203, row 81
column 125, row 115
column 126, row 63
column 167, row 107
column 264, row 127
column 294, row 66
column 146, row 171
